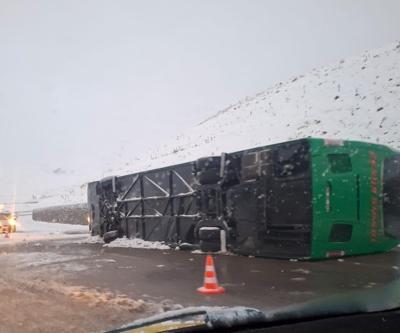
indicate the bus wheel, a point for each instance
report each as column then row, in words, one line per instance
column 210, row 246
column 210, row 234
column 109, row 236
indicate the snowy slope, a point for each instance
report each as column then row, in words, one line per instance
column 356, row 98
column 67, row 195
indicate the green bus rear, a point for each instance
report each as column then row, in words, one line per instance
column 356, row 198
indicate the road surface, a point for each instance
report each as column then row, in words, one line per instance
column 55, row 283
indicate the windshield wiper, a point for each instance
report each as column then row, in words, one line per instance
column 357, row 302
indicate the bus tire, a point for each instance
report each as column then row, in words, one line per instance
column 210, row 234
column 110, row 236
column 210, row 246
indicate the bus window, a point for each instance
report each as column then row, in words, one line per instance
column 256, row 165
column 250, row 166
column 291, row 161
column 391, row 196
column 339, row 163
column 341, row 232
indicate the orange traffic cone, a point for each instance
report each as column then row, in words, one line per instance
column 210, row 279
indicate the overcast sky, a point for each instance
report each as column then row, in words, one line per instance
column 79, row 79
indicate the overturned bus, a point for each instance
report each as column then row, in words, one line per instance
column 308, row 198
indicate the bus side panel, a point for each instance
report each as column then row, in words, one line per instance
column 156, row 205
column 273, row 213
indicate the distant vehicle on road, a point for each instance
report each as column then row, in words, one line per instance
column 7, row 222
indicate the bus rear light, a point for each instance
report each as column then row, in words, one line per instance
column 335, row 254
column 333, row 142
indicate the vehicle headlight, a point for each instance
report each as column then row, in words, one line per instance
column 11, row 221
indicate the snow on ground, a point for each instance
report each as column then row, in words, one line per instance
column 66, row 195
column 90, row 240
column 222, row 253
column 134, row 243
column 29, row 231
column 137, row 243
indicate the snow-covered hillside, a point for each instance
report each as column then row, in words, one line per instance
column 67, row 195
column 355, row 98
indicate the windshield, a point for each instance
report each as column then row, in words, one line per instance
column 391, row 193
column 167, row 155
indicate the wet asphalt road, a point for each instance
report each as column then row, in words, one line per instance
column 159, row 275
